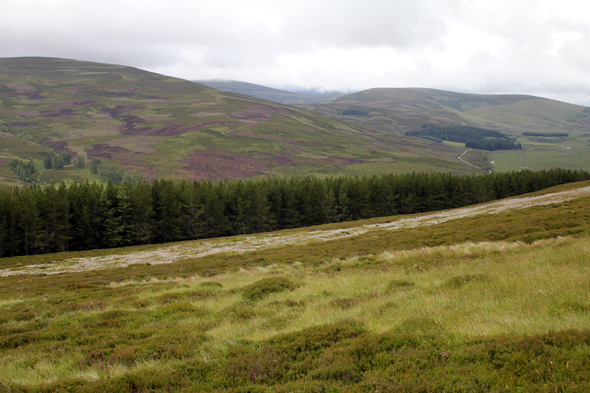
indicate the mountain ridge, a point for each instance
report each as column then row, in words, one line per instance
column 268, row 93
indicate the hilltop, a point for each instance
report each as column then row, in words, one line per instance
column 152, row 125
column 268, row 93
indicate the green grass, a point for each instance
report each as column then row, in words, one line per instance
column 496, row 302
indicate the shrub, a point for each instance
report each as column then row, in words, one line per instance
column 316, row 338
column 398, row 284
column 459, row 281
column 240, row 311
column 265, row 287
column 179, row 308
column 90, row 305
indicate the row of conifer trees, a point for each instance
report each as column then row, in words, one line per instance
column 42, row 219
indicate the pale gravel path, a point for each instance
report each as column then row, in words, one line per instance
column 238, row 244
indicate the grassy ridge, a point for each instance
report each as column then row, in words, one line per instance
column 485, row 303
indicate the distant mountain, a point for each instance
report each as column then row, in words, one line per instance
column 405, row 109
column 152, row 125
column 270, row 94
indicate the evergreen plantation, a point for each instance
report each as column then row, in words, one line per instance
column 56, row 218
column 473, row 137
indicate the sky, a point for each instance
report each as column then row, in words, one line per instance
column 535, row 47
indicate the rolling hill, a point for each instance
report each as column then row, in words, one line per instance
column 268, row 93
column 152, row 125
column 400, row 110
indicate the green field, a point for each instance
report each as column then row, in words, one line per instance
column 488, row 298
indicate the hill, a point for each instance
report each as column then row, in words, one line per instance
column 401, row 110
column 152, row 125
column 268, row 93
column 492, row 297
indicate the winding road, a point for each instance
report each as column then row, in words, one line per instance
column 462, row 160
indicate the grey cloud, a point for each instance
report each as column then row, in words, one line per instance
column 525, row 46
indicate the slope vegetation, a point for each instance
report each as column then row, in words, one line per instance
column 401, row 110
column 487, row 298
column 156, row 126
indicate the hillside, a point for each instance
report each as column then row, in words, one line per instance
column 268, row 93
column 491, row 297
column 401, row 110
column 152, row 126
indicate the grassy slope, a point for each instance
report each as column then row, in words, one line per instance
column 486, row 303
column 268, row 93
column 158, row 126
column 401, row 110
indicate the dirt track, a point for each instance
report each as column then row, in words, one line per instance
column 197, row 249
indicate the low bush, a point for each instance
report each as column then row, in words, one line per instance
column 261, row 289
column 180, row 308
column 459, row 281
column 395, row 285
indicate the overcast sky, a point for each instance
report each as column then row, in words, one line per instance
column 537, row 47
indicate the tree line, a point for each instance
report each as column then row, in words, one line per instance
column 473, row 137
column 546, row 134
column 38, row 219
column 24, row 170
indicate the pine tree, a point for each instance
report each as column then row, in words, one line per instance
column 112, row 228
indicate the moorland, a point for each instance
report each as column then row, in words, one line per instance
column 155, row 126
column 168, row 236
column 487, row 298
column 151, row 126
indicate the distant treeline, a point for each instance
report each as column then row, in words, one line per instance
column 24, row 170
column 473, row 137
column 36, row 219
column 547, row 134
